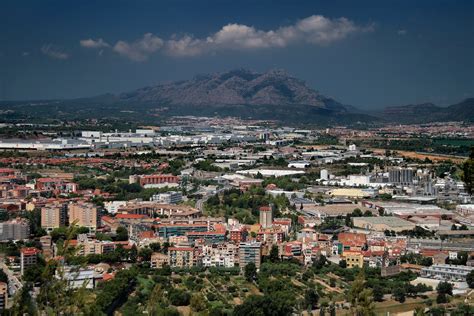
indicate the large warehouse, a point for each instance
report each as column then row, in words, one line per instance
column 383, row 223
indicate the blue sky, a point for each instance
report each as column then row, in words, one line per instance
column 365, row 53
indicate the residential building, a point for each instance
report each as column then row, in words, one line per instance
column 167, row 230
column 15, row 229
column 266, row 216
column 47, row 246
column 446, row 272
column 53, row 216
column 353, row 259
column 155, row 180
column 351, row 241
column 89, row 246
column 81, row 277
column 250, row 252
column 28, row 257
column 219, row 255
column 181, row 257
column 83, row 214
column 158, row 260
column 171, row 197
column 238, row 234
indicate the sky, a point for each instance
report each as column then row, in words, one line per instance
column 369, row 54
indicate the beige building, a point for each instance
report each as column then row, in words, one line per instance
column 266, row 216
column 382, row 223
column 86, row 246
column 47, row 246
column 83, row 214
column 53, row 216
column 158, row 260
column 181, row 257
column 350, row 193
column 353, row 259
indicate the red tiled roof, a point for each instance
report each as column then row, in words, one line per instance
column 432, row 252
column 30, row 251
column 130, row 216
column 108, row 276
column 352, row 239
column 147, row 234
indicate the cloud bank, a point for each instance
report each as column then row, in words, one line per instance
column 90, row 43
column 54, row 52
column 140, row 49
column 314, row 30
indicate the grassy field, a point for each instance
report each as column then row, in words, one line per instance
column 422, row 156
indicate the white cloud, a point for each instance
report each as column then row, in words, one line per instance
column 91, row 43
column 313, row 30
column 25, row 54
column 54, row 52
column 141, row 49
column 316, row 29
column 402, row 32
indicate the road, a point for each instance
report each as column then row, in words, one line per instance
column 13, row 283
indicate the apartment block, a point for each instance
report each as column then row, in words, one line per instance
column 250, row 252
column 181, row 257
column 15, row 229
column 53, row 216
column 83, row 214
column 28, row 257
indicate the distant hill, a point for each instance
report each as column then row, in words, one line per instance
column 236, row 87
column 273, row 95
column 429, row 112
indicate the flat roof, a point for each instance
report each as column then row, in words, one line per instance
column 387, row 220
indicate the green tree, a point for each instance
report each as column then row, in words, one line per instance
column 468, row 172
column 445, row 288
column 133, row 254
column 399, row 293
column 311, row 298
column 470, row 279
column 23, row 303
column 145, row 254
column 198, row 302
column 179, row 297
column 121, row 234
column 250, row 271
column 378, row 293
column 361, row 297
column 463, row 310
column 274, row 256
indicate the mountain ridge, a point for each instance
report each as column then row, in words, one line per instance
column 429, row 112
column 273, row 95
column 235, row 87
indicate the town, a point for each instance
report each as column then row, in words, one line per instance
column 221, row 216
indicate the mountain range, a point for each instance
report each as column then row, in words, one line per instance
column 429, row 112
column 273, row 95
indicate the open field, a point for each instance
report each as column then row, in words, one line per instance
column 422, row 156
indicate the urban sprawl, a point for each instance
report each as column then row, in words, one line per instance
column 230, row 217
